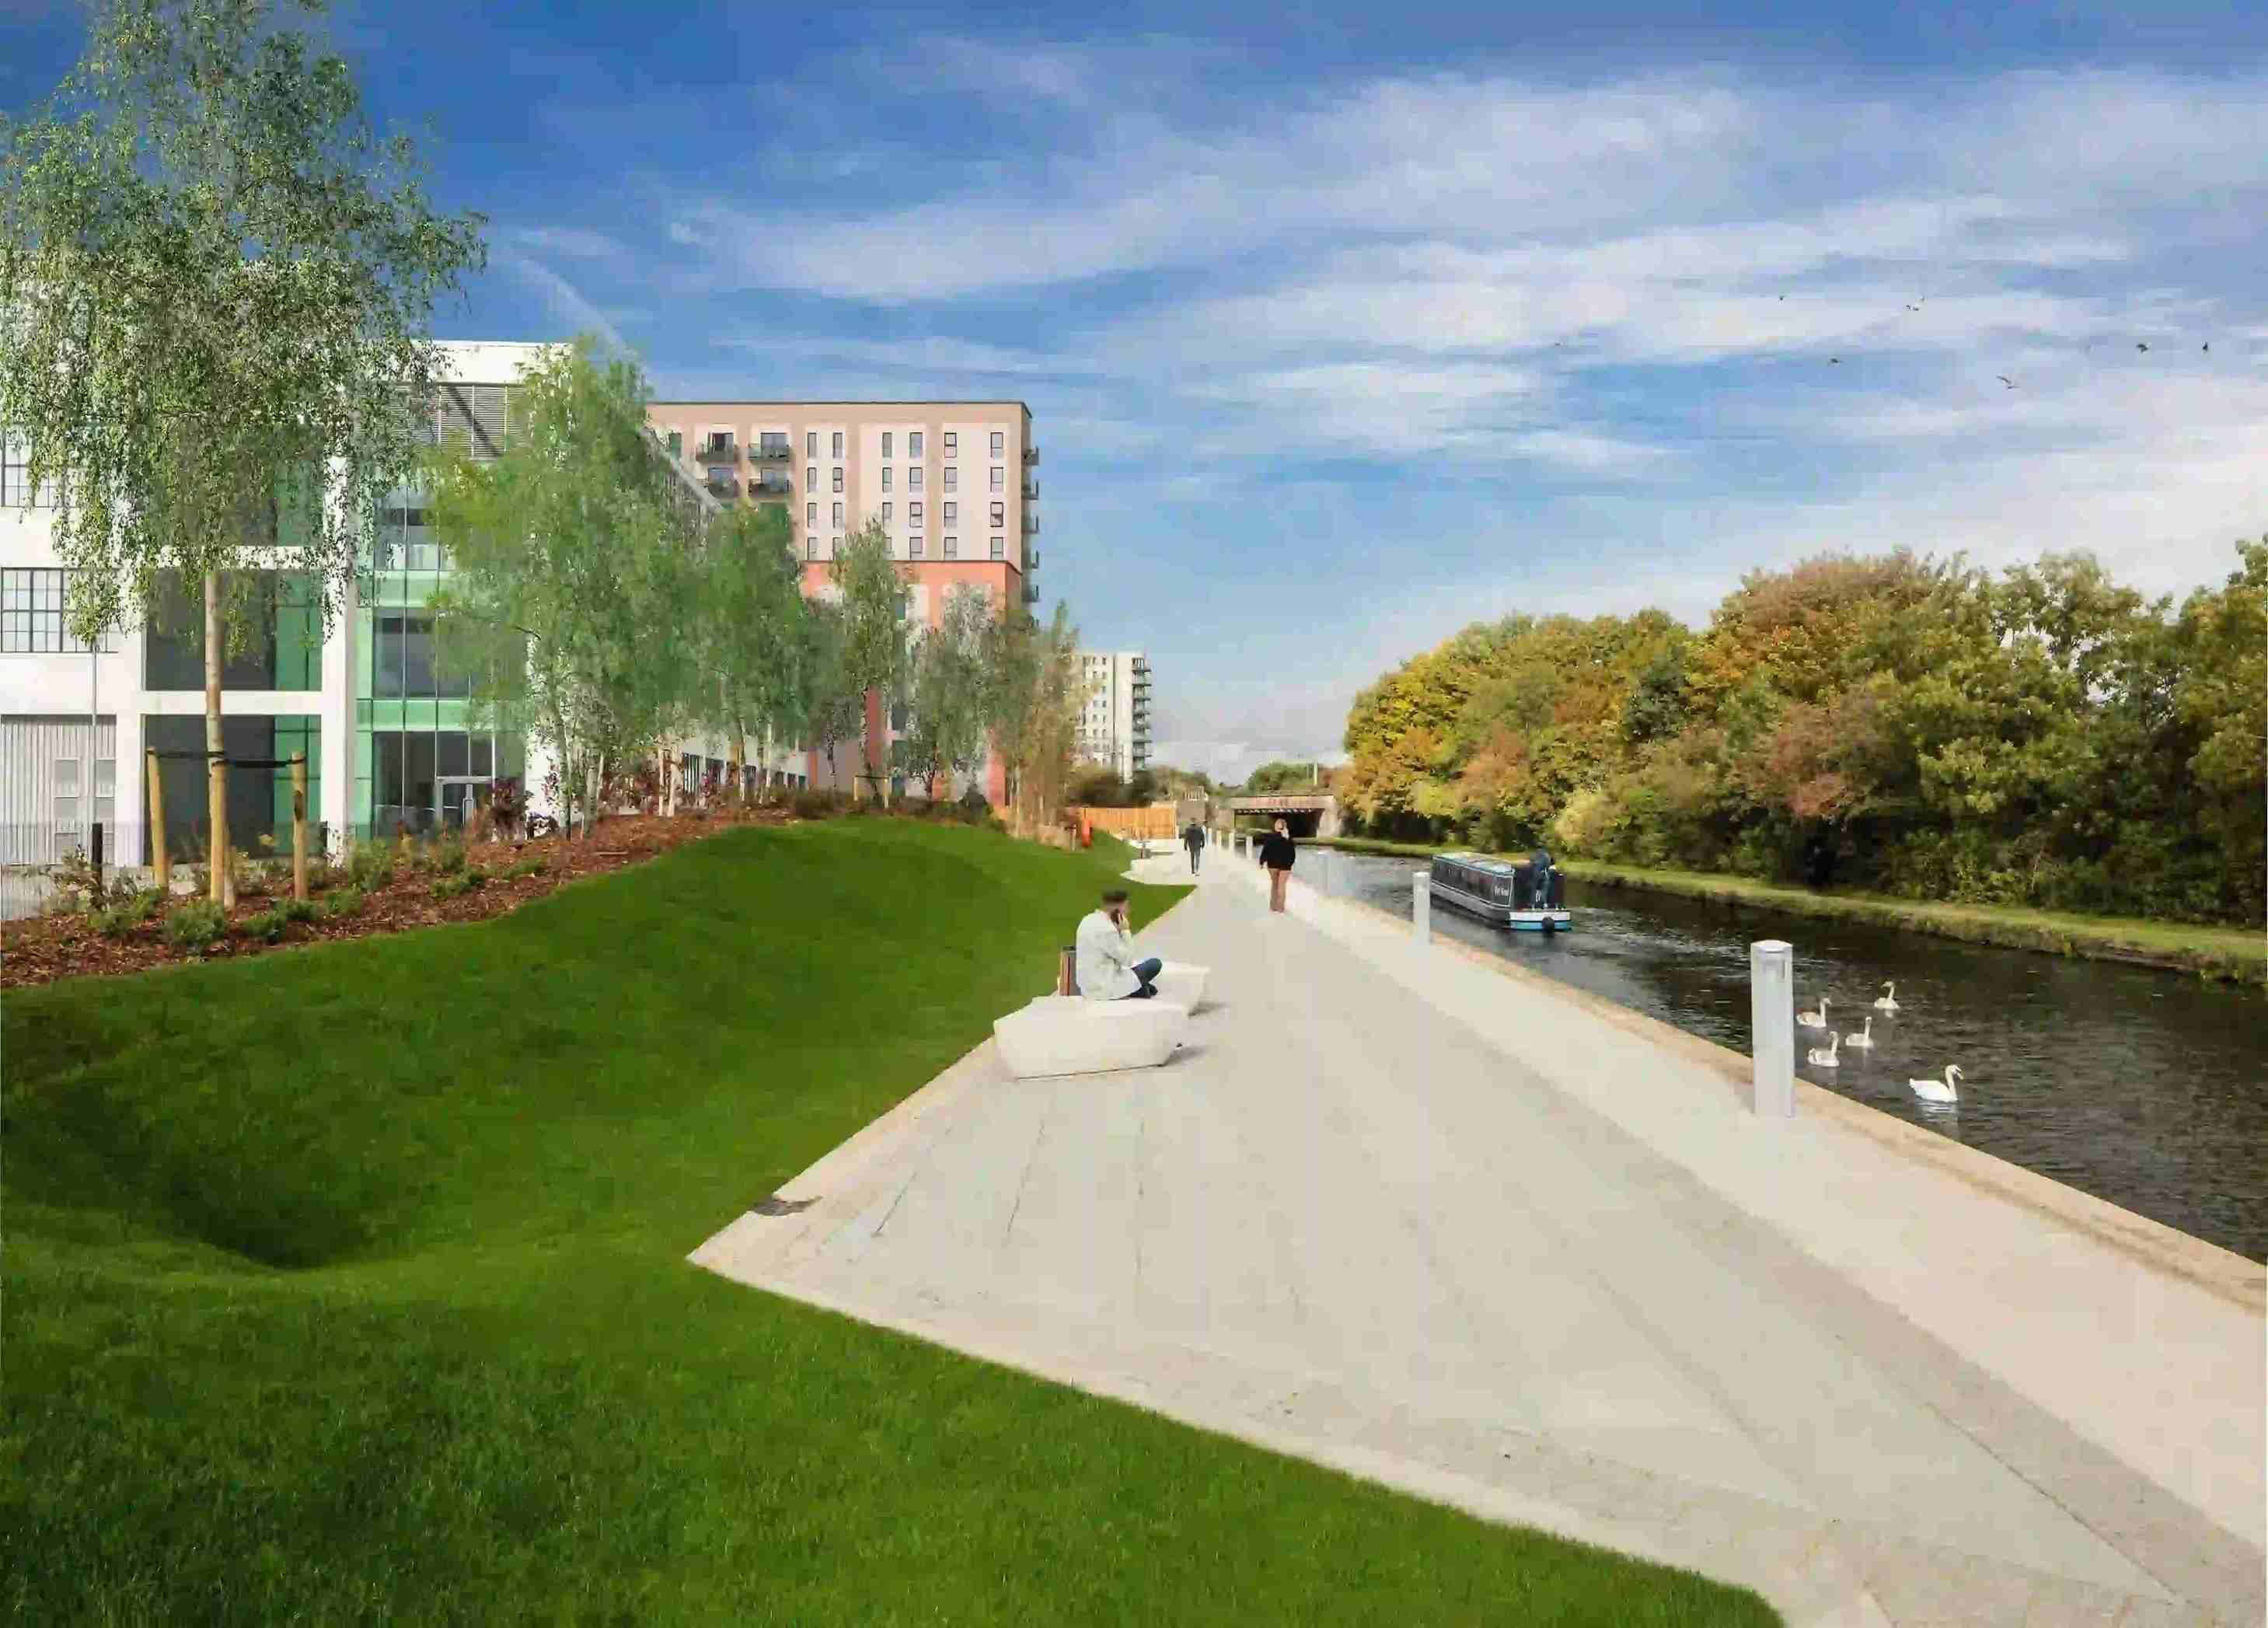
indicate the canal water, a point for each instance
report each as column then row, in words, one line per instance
column 2146, row 1088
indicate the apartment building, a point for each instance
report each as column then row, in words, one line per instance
column 954, row 484
column 1113, row 719
column 390, row 742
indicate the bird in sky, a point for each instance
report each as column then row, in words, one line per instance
column 2005, row 379
column 2139, row 345
column 1834, row 361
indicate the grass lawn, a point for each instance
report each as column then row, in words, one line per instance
column 347, row 1285
column 2240, row 953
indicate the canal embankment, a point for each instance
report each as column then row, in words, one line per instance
column 2236, row 954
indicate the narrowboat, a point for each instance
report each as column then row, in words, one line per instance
column 1529, row 897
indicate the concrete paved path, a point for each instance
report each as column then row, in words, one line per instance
column 1358, row 1224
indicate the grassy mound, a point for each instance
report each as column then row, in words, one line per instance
column 348, row 1285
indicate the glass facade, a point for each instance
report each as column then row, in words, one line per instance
column 259, row 799
column 419, row 763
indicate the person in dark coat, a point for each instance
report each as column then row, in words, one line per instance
column 1194, row 840
column 1277, row 853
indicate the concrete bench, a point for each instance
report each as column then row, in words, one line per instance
column 1181, row 984
column 1066, row 1035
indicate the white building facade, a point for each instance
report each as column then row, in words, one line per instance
column 1114, row 719
column 390, row 743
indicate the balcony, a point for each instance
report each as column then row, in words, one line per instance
column 1031, row 524
column 718, row 449
column 723, row 484
column 1031, row 454
column 1032, row 560
column 773, row 452
column 1031, row 487
column 771, row 483
column 1031, row 593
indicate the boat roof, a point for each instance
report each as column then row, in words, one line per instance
column 1481, row 862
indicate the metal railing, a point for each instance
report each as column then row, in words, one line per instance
column 770, row 452
column 725, row 451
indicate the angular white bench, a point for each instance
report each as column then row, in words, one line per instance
column 1181, row 984
column 1067, row 1034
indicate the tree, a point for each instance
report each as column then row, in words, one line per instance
column 834, row 708
column 218, row 277
column 945, row 725
column 750, row 610
column 873, row 591
column 1281, row 777
column 576, row 573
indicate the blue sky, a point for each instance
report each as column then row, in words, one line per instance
column 1342, row 327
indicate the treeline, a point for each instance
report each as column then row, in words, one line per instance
column 599, row 605
column 2043, row 736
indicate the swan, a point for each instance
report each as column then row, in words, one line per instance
column 1864, row 1038
column 1937, row 1090
column 1823, row 1057
column 1889, row 1002
column 1813, row 1020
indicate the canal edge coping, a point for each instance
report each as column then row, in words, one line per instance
column 2222, row 1272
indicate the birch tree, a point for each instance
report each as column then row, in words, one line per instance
column 750, row 614
column 873, row 607
column 572, row 591
column 216, row 282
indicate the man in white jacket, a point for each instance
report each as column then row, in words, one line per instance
column 1107, row 968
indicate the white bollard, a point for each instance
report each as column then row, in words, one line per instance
column 1772, row 1020
column 1421, row 906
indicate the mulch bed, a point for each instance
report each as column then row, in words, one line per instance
column 45, row 948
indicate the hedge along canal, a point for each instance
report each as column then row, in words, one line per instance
column 2143, row 1088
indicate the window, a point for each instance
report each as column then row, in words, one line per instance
column 953, row 547
column 952, row 444
column 811, row 514
column 952, row 479
column 886, row 514
column 914, row 477
column 913, row 444
column 834, row 546
column 32, row 615
column 811, row 478
column 16, row 477
column 951, row 512
column 1000, row 547
column 838, row 443
column 838, row 477
column 913, row 546
column 886, row 477
column 999, row 477
column 772, row 443
column 811, row 445
column 999, row 442
column 838, row 514
column 677, row 443
column 914, row 515
column 402, row 658
column 999, row 514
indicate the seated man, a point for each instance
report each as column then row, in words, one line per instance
column 1107, row 967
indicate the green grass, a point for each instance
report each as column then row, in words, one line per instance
column 347, row 1285
column 2236, row 953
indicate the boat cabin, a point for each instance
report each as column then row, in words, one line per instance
column 1529, row 894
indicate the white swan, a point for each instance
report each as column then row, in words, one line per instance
column 1937, row 1090
column 1864, row 1038
column 1889, row 1002
column 1823, row 1057
column 1813, row 1020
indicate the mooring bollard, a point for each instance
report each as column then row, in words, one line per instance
column 1421, row 906
column 1771, row 1023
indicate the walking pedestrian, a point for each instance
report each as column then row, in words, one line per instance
column 1194, row 840
column 1277, row 853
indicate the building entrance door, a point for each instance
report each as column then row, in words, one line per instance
column 457, row 795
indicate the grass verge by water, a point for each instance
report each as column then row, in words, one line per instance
column 2236, row 954
column 348, row 1285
